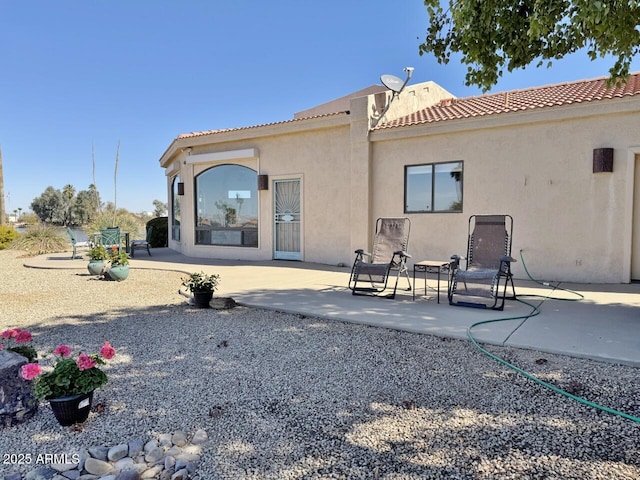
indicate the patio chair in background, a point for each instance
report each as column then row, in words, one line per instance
column 74, row 242
column 142, row 244
column 110, row 237
column 371, row 271
column 488, row 262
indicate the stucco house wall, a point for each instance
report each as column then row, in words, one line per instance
column 568, row 221
column 533, row 162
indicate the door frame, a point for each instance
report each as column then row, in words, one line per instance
column 633, row 157
column 289, row 178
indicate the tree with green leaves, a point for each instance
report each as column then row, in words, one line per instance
column 159, row 208
column 494, row 35
column 49, row 206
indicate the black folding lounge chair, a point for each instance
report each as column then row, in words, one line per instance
column 142, row 244
column 371, row 271
column 488, row 262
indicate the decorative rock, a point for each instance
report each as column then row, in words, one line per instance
column 169, row 462
column 173, row 451
column 200, row 437
column 154, row 456
column 164, row 440
column 164, row 460
column 97, row 467
column 166, row 474
column 183, row 464
column 125, row 463
column 135, row 447
column 99, row 453
column 43, row 473
column 150, row 445
column 180, row 475
column 152, row 472
column 128, row 475
column 179, row 439
column 118, row 452
column 63, row 467
column 17, row 402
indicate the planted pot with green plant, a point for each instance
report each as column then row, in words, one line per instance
column 97, row 259
column 119, row 268
column 69, row 386
column 201, row 287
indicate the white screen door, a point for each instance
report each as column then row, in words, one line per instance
column 287, row 219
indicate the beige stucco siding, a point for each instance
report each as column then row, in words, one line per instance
column 568, row 221
column 319, row 158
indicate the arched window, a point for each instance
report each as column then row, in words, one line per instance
column 227, row 206
column 175, row 209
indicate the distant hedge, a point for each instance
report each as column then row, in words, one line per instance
column 159, row 235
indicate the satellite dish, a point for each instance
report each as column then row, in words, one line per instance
column 392, row 82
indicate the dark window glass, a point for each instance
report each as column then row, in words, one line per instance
column 435, row 187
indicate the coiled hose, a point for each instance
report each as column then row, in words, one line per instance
column 535, row 311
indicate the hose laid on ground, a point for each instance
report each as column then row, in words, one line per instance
column 535, row 310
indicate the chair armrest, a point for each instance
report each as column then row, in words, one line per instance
column 507, row 259
column 402, row 253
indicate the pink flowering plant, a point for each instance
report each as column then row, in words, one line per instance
column 70, row 376
column 18, row 341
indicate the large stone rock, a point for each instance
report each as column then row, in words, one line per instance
column 17, row 401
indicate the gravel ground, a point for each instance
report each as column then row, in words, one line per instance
column 291, row 397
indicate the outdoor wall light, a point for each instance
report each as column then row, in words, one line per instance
column 263, row 182
column 180, row 188
column 602, row 160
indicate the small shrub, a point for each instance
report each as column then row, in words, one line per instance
column 40, row 239
column 159, row 235
column 7, row 235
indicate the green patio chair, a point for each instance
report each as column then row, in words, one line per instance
column 74, row 242
column 111, row 237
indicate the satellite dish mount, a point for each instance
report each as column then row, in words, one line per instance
column 396, row 85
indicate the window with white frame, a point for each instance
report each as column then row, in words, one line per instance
column 227, row 206
column 433, row 187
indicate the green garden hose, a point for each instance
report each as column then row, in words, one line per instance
column 535, row 311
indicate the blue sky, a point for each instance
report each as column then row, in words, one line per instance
column 77, row 73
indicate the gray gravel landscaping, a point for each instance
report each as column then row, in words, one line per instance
column 286, row 396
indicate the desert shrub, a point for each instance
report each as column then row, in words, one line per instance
column 7, row 235
column 42, row 238
column 127, row 222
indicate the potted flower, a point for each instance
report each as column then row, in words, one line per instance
column 69, row 386
column 97, row 259
column 119, row 269
column 201, row 287
column 21, row 339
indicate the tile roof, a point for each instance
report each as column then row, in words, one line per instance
column 213, row 132
column 519, row 100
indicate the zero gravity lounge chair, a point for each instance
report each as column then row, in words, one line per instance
column 488, row 262
column 371, row 271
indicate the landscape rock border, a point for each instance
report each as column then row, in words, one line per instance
column 170, row 456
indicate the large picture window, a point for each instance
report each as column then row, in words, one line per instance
column 227, row 206
column 433, row 187
column 175, row 210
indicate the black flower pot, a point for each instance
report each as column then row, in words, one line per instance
column 202, row 299
column 72, row 409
